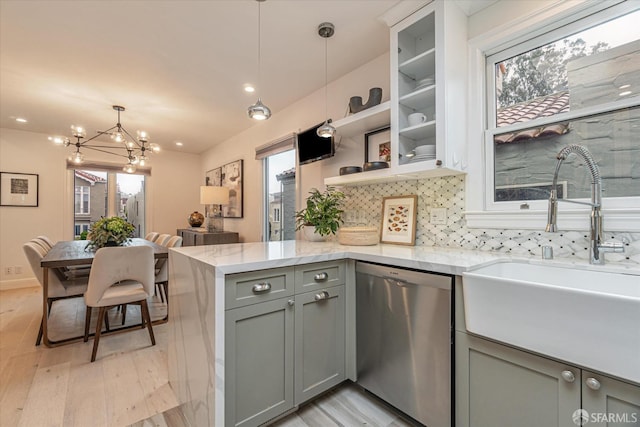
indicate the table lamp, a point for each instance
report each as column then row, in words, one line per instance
column 213, row 197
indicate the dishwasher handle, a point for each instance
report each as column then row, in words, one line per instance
column 405, row 277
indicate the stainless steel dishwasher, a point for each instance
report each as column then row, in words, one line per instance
column 404, row 340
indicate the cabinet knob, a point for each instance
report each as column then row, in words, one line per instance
column 593, row 383
column 261, row 287
column 321, row 277
column 291, row 302
column 322, row 296
column 568, row 376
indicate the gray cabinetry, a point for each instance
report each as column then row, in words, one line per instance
column 603, row 396
column 282, row 325
column 502, row 386
column 319, row 342
column 258, row 362
column 498, row 386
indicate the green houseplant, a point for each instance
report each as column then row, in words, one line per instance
column 109, row 231
column 322, row 215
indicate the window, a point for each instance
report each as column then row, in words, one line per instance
column 100, row 193
column 82, row 199
column 280, row 197
column 578, row 83
column 279, row 183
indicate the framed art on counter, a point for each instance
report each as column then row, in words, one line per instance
column 399, row 220
column 19, row 189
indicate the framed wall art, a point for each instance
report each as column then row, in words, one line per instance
column 377, row 145
column 230, row 176
column 19, row 189
column 213, row 177
column 399, row 220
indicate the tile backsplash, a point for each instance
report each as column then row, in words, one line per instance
column 364, row 206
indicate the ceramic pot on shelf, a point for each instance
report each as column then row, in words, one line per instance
column 310, row 234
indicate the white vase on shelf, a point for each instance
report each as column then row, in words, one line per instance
column 311, row 235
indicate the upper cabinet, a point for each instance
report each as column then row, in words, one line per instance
column 428, row 96
column 428, row 89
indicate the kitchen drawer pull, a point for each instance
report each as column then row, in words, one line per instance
column 261, row 287
column 322, row 296
column 321, row 277
column 568, row 376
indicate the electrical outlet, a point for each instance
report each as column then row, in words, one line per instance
column 438, row 216
column 8, row 270
column 18, row 269
column 349, row 216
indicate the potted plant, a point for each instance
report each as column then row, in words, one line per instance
column 109, row 231
column 322, row 216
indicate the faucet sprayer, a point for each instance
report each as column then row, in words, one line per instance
column 596, row 245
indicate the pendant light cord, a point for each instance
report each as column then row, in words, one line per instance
column 326, row 108
column 259, row 49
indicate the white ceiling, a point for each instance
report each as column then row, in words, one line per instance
column 177, row 66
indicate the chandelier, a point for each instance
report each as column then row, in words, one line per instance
column 135, row 150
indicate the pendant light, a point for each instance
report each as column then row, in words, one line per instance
column 259, row 111
column 326, row 30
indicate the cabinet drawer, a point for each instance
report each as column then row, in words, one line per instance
column 257, row 286
column 319, row 275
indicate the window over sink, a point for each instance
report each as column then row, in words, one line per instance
column 576, row 81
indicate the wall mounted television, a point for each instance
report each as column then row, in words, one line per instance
column 312, row 147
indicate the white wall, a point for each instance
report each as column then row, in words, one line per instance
column 173, row 192
column 301, row 115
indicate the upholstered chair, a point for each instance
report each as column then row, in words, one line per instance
column 131, row 268
column 152, row 236
column 162, row 239
column 58, row 287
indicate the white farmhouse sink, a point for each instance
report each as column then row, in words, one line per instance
column 589, row 318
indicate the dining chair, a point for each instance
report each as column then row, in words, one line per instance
column 57, row 288
column 131, row 268
column 162, row 239
column 162, row 269
column 152, row 236
column 46, row 240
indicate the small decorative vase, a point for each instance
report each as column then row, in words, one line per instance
column 311, row 235
column 375, row 97
column 196, row 219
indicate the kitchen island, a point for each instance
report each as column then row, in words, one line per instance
column 206, row 288
column 197, row 317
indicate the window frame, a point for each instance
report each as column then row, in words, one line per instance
column 83, row 194
column 524, row 34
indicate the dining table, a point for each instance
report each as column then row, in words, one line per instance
column 65, row 254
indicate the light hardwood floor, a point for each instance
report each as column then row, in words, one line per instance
column 42, row 386
column 128, row 383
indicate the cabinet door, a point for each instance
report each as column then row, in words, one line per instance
column 258, row 362
column 609, row 402
column 502, row 386
column 320, row 341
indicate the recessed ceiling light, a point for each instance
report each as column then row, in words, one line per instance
column 625, row 93
column 179, row 144
column 21, row 120
column 624, row 86
column 248, row 87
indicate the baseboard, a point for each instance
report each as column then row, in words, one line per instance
column 5, row 285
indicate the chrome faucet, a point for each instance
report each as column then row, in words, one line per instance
column 597, row 247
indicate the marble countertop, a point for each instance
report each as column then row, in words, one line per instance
column 241, row 257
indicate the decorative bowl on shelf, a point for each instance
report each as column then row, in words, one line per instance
column 369, row 166
column 346, row 170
